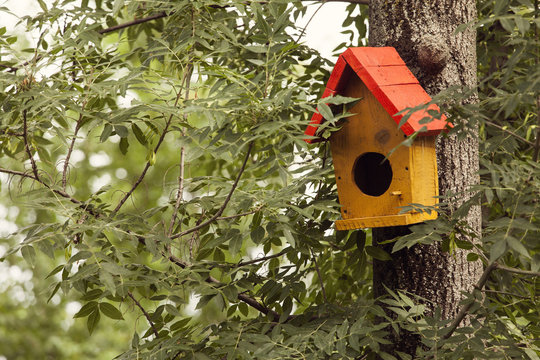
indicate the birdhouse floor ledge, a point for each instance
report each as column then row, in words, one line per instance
column 384, row 221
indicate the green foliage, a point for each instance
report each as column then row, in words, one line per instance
column 168, row 189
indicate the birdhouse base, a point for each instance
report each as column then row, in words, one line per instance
column 385, row 221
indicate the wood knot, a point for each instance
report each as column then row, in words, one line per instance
column 432, row 54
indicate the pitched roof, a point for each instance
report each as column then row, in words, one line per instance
column 385, row 74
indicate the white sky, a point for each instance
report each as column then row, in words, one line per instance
column 322, row 33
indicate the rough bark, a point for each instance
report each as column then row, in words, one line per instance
column 423, row 32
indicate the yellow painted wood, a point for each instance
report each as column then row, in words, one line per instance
column 414, row 169
column 383, row 221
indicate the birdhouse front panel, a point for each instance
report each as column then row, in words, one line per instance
column 371, row 188
column 376, row 176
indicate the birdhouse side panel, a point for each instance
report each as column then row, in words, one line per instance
column 424, row 179
column 367, row 187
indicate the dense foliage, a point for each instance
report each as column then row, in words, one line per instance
column 158, row 177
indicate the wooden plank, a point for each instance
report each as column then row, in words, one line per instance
column 375, row 76
column 371, row 129
column 337, row 74
column 387, row 77
column 384, row 221
column 375, row 56
column 396, row 98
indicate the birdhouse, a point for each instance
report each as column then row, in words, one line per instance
column 373, row 182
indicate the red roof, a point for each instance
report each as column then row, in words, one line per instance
column 385, row 74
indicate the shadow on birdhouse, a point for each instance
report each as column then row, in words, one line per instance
column 373, row 181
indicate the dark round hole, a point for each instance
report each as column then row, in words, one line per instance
column 372, row 173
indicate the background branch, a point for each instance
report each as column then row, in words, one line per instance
column 220, row 211
column 148, row 164
column 27, row 146
column 146, row 315
column 242, row 297
column 164, row 14
column 71, row 146
column 465, row 308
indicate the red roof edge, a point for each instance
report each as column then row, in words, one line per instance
column 386, row 75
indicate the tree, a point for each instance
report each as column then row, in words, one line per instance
column 157, row 148
column 425, row 36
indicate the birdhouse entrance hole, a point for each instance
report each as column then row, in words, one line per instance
column 372, row 173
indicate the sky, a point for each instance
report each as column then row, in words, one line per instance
column 323, row 38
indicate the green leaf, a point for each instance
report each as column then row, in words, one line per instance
column 108, row 280
column 325, row 111
column 472, row 257
column 121, row 131
column 55, row 271
column 257, row 234
column 497, row 250
column 517, row 246
column 42, row 5
column 29, row 254
column 378, row 253
column 107, row 131
column 124, row 144
column 289, row 237
column 93, row 320
column 86, row 309
column 139, row 135
column 110, row 311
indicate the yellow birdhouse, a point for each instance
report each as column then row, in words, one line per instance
column 371, row 190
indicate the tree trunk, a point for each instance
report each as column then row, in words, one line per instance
column 423, row 32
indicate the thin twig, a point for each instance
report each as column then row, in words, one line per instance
column 56, row 191
column 148, row 163
column 10, row 133
column 517, row 271
column 134, row 22
column 506, row 293
column 164, row 14
column 222, row 208
column 71, row 146
column 537, row 142
column 465, row 308
column 240, row 215
column 530, row 143
column 479, row 286
column 27, row 146
column 537, row 62
column 258, row 260
column 187, row 81
column 146, row 315
column 179, row 194
column 319, row 275
column 242, row 297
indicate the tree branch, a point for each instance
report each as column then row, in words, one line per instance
column 465, row 308
column 222, row 208
column 146, row 315
column 254, row 261
column 242, row 297
column 506, row 293
column 134, row 22
column 164, row 14
column 319, row 275
column 509, row 132
column 479, row 286
column 27, row 146
column 71, row 146
column 148, row 164
column 56, row 191
column 240, row 215
column 187, row 81
column 517, row 271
